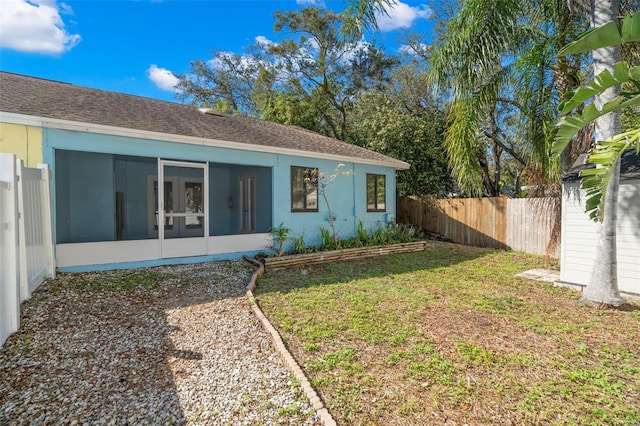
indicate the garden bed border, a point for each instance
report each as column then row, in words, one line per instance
column 273, row 263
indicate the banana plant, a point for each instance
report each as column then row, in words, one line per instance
column 606, row 154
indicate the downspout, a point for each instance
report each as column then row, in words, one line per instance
column 354, row 198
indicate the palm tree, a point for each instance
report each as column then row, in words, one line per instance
column 497, row 62
column 499, row 56
column 603, row 284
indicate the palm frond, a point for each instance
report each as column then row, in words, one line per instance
column 360, row 16
column 461, row 144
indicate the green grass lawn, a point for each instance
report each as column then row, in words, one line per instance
column 451, row 336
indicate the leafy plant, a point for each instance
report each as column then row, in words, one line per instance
column 363, row 235
column 23, row 345
column 400, row 233
column 595, row 180
column 328, row 242
column 279, row 235
column 353, row 242
column 607, row 35
column 379, row 236
column 606, row 154
column 300, row 245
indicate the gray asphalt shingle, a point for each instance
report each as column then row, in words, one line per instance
column 56, row 100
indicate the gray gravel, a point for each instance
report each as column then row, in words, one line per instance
column 166, row 345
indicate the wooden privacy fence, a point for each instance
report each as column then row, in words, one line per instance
column 26, row 245
column 530, row 225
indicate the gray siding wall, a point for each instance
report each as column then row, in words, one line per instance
column 579, row 235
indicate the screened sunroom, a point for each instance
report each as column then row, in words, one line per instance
column 111, row 207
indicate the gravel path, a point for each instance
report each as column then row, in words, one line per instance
column 166, row 345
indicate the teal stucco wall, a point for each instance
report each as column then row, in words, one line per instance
column 84, row 183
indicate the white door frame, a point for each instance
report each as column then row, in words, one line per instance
column 190, row 246
column 246, row 204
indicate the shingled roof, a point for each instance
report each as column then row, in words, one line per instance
column 629, row 167
column 55, row 100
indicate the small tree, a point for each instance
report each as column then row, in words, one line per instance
column 323, row 182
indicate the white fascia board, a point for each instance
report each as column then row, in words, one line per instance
column 54, row 123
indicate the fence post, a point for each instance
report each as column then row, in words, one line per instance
column 23, row 273
column 10, row 300
column 47, row 215
column 501, row 222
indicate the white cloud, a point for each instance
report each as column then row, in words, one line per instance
column 401, row 15
column 318, row 3
column 35, row 26
column 163, row 78
column 414, row 49
column 263, row 41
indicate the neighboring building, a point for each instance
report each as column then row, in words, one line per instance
column 579, row 233
column 225, row 180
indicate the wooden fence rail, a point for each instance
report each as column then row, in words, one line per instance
column 530, row 225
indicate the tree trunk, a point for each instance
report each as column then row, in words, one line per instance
column 603, row 284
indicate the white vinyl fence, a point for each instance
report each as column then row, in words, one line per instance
column 26, row 245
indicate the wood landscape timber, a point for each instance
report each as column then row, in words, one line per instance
column 273, row 263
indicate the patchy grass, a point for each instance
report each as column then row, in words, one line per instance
column 451, row 336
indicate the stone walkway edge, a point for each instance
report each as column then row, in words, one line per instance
column 290, row 362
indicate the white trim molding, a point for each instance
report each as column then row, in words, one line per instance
column 114, row 252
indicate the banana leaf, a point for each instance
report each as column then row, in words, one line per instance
column 604, row 156
column 569, row 125
column 606, row 35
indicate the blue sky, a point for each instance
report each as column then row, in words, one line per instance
column 135, row 47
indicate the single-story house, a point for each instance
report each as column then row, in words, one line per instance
column 142, row 182
column 579, row 234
